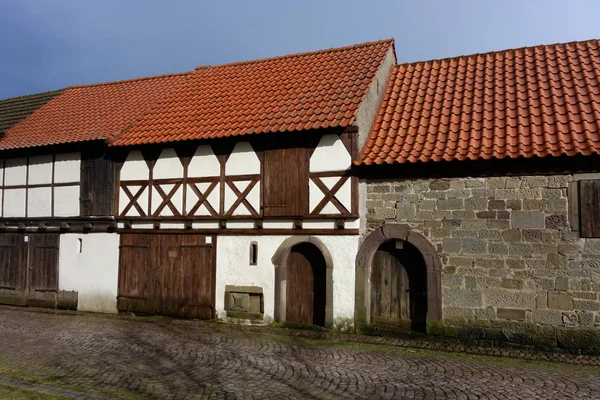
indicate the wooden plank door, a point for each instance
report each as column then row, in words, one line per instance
column 389, row 291
column 285, row 182
column 43, row 269
column 305, row 285
column 135, row 268
column 13, row 269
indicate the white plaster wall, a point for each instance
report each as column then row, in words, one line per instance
column 67, row 167
column 330, row 155
column 15, row 171
column 204, row 163
column 66, row 201
column 40, row 170
column 242, row 161
column 93, row 272
column 14, row 203
column 233, row 268
column 135, row 167
column 39, row 202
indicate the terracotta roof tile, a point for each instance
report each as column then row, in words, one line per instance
column 534, row 101
column 92, row 112
column 297, row 92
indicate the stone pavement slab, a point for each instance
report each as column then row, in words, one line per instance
column 130, row 357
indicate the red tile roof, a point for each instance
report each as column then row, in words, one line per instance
column 92, row 112
column 534, row 101
column 303, row 91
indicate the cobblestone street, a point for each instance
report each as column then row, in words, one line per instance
column 126, row 357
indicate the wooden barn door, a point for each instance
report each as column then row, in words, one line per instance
column 390, row 297
column 167, row 274
column 29, row 269
column 13, row 269
column 43, row 269
column 305, row 285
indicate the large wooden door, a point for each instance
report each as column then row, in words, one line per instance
column 167, row 274
column 305, row 285
column 390, row 302
column 29, row 269
column 285, row 182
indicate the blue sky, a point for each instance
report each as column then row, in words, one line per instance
column 53, row 44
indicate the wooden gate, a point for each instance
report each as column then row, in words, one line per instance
column 167, row 274
column 29, row 269
column 305, row 285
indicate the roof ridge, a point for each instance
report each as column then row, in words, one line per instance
column 32, row 94
column 512, row 49
column 295, row 55
column 144, row 78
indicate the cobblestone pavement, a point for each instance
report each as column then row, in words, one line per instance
column 128, row 357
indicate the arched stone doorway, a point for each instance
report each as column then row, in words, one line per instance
column 382, row 256
column 303, row 282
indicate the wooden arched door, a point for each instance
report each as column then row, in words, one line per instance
column 398, row 287
column 305, row 285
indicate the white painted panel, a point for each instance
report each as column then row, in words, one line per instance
column 67, row 167
column 14, row 203
column 205, row 225
column 233, row 269
column 1, row 172
column 124, row 201
column 15, row 171
column 327, row 224
column 204, row 163
column 330, row 155
column 278, row 224
column 142, row 225
column 315, row 195
column 1, row 197
column 230, row 198
column 93, row 272
column 177, row 199
column 135, row 167
column 242, row 161
column 40, row 170
column 39, row 202
column 330, row 181
column 329, row 209
column 254, row 197
column 241, row 209
column 192, row 198
column 168, row 166
column 66, row 201
column 344, row 195
column 353, row 224
column 240, row 224
column 172, row 225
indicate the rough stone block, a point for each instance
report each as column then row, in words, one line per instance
column 462, row 298
column 520, row 249
column 534, row 204
column 427, row 204
column 547, row 317
column 439, row 185
column 559, row 181
column 451, row 223
column 513, row 183
column 562, row 283
column 475, row 203
column 452, row 245
column 450, row 204
column 460, row 214
column 557, row 261
column 474, row 246
column 458, row 193
column 455, row 281
column 459, row 313
column 503, row 214
column 535, row 181
column 586, row 319
column 497, row 224
column 380, row 188
column 586, row 305
column 532, row 235
column 553, row 193
column 587, row 339
column 541, row 300
column 528, row 219
column 512, row 235
column 512, row 283
column 560, row 301
column 475, row 183
column 424, row 215
column 508, row 299
column 557, row 204
column 592, row 246
column 515, row 264
column 483, row 282
column 384, row 213
column 474, row 224
column 544, row 248
column 485, row 214
column 511, row 314
column 495, row 183
column 489, row 235
column 497, row 248
column 405, row 211
column 514, row 204
column 556, row 221
column 496, row 205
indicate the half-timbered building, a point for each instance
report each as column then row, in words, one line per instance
column 225, row 192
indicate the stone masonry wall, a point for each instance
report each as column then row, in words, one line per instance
column 510, row 256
